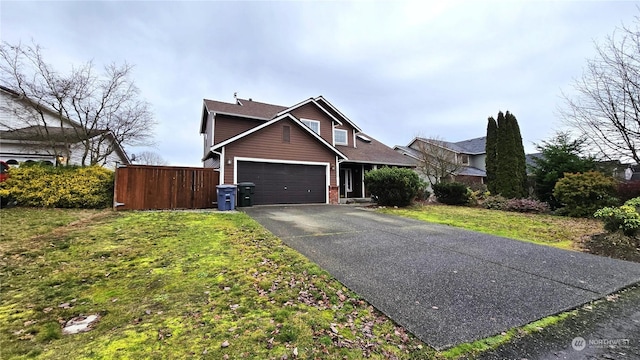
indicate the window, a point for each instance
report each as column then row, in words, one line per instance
column 312, row 124
column 340, row 136
column 286, row 134
column 464, row 158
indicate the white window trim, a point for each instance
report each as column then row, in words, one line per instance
column 346, row 137
column 312, row 121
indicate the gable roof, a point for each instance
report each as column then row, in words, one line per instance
column 327, row 103
column 40, row 133
column 35, row 132
column 375, row 152
column 411, row 152
column 475, row 146
column 245, row 107
column 281, row 117
column 309, row 101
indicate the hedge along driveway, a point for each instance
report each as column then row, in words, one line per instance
column 447, row 286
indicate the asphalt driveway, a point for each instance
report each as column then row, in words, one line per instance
column 445, row 285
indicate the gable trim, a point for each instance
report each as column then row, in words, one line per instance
column 285, row 116
column 305, row 102
column 338, row 111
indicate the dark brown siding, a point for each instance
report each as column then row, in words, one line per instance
column 267, row 144
column 311, row 112
column 227, row 127
column 141, row 187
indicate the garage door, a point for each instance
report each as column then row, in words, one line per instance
column 285, row 183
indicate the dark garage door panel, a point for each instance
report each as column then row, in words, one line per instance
column 285, row 183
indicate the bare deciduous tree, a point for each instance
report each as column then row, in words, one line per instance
column 437, row 162
column 79, row 110
column 606, row 107
column 150, row 158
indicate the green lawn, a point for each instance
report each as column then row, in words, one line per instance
column 176, row 285
column 561, row 232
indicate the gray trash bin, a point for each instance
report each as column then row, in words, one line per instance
column 245, row 193
column 226, row 197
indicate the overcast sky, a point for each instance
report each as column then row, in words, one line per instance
column 397, row 69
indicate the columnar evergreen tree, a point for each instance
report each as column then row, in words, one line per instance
column 492, row 153
column 508, row 162
column 504, row 163
column 519, row 157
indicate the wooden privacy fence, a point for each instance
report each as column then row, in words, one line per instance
column 142, row 187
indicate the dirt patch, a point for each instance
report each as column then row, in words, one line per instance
column 615, row 245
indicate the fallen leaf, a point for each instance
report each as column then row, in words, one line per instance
column 224, row 344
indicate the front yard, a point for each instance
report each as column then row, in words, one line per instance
column 176, row 285
column 209, row 285
column 560, row 232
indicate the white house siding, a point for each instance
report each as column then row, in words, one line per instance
column 478, row 161
column 15, row 114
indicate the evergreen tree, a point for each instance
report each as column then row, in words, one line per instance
column 520, row 183
column 491, row 150
column 558, row 156
column 504, row 163
column 506, row 166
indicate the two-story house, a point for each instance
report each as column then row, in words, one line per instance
column 468, row 156
column 306, row 153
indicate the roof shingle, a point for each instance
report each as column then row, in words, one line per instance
column 375, row 152
column 245, row 107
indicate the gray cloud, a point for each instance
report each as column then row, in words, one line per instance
column 396, row 68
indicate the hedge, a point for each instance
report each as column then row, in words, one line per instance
column 61, row 187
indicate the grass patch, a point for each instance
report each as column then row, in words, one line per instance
column 560, row 232
column 480, row 346
column 176, row 285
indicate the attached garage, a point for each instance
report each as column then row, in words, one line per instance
column 285, row 183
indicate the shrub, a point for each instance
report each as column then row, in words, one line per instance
column 453, row 193
column 393, row 186
column 525, row 206
column 64, row 187
column 624, row 218
column 423, row 193
column 582, row 194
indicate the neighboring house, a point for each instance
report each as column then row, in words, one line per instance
column 26, row 137
column 470, row 156
column 306, row 153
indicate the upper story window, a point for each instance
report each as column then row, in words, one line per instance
column 340, row 137
column 312, row 124
column 464, row 159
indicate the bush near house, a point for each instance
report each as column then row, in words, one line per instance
column 624, row 218
column 582, row 194
column 60, row 187
column 516, row 205
column 453, row 193
column 621, row 239
column 393, row 186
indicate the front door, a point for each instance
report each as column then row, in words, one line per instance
column 346, row 182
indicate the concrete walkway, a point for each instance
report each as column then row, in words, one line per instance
column 445, row 285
